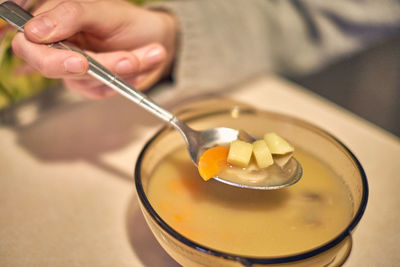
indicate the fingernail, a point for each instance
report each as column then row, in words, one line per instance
column 124, row 66
column 41, row 27
column 154, row 56
column 74, row 65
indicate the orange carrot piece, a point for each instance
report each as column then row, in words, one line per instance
column 213, row 161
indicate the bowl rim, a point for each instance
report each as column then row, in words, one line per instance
column 248, row 260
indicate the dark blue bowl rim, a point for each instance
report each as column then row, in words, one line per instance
column 248, row 261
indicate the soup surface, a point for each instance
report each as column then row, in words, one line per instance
column 251, row 222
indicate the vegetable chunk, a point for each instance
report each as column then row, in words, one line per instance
column 240, row 153
column 213, row 161
column 276, row 144
column 262, row 155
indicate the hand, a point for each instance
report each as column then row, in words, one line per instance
column 136, row 44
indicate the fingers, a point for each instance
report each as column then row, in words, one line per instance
column 150, row 56
column 140, row 68
column 55, row 63
column 153, row 59
column 51, row 62
column 136, row 65
column 119, row 62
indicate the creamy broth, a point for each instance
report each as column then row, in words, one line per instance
column 251, row 222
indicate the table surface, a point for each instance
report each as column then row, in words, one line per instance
column 67, row 196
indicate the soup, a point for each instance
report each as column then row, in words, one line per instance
column 251, row 222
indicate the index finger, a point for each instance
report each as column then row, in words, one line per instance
column 52, row 63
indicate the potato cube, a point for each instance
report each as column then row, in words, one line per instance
column 262, row 155
column 276, row 144
column 240, row 153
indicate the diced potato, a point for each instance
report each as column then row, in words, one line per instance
column 262, row 155
column 276, row 144
column 240, row 153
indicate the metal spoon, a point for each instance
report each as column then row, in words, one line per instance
column 196, row 141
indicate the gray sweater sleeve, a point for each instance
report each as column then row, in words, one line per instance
column 222, row 43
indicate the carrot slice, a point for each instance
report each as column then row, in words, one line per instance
column 213, row 161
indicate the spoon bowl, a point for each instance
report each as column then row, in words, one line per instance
column 196, row 141
column 199, row 141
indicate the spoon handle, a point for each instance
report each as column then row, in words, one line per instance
column 18, row 17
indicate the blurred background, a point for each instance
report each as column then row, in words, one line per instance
column 367, row 83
